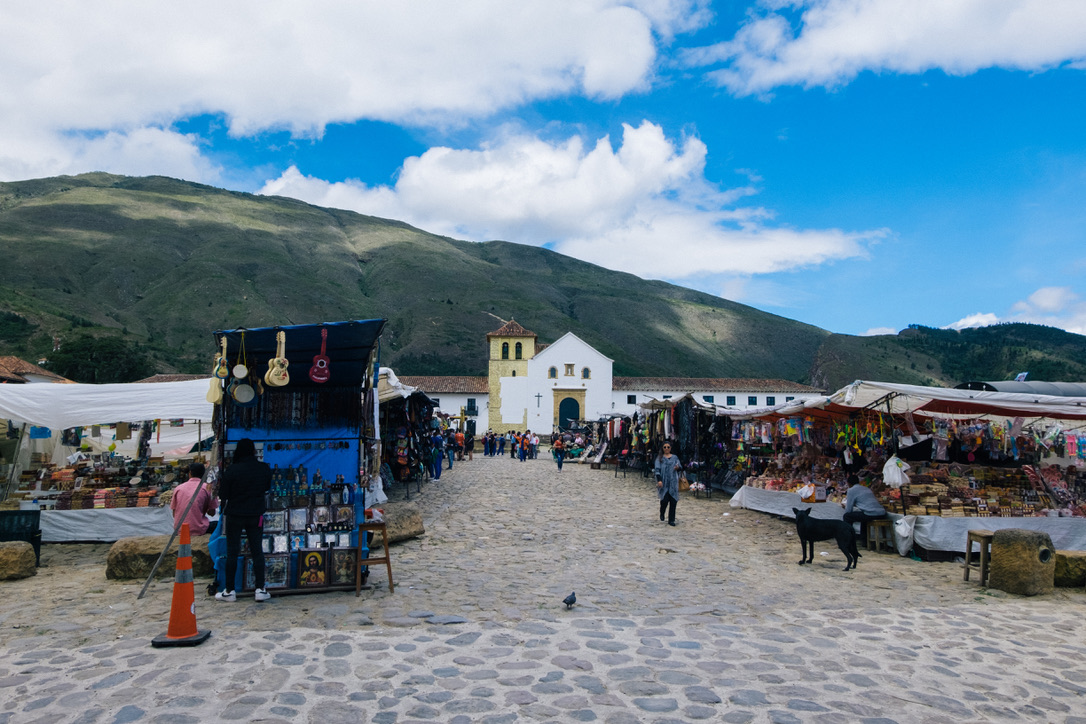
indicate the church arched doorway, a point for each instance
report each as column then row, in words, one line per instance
column 569, row 411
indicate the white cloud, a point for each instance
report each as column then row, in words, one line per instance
column 645, row 207
column 1059, row 307
column 980, row 319
column 838, row 39
column 112, row 66
column 135, row 152
column 877, row 331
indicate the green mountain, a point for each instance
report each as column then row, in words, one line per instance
column 135, row 273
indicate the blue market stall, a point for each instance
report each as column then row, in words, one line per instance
column 305, row 394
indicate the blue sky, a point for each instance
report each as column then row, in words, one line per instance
column 859, row 165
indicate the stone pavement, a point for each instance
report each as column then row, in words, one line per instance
column 710, row 620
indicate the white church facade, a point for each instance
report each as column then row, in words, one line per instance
column 537, row 387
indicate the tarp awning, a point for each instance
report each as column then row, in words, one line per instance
column 59, row 407
column 925, row 401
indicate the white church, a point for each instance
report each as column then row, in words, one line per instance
column 543, row 387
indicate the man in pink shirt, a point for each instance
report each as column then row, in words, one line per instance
column 204, row 505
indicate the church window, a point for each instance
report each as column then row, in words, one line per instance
column 586, row 374
column 631, row 399
column 552, row 373
column 505, row 350
column 731, row 401
column 520, row 351
column 752, row 400
column 789, row 399
column 707, row 398
column 771, row 400
column 569, row 370
column 514, row 373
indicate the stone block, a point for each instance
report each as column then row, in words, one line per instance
column 17, row 560
column 132, row 558
column 404, row 522
column 1023, row 562
column 1070, row 569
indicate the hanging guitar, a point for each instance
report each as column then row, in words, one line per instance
column 277, row 375
column 222, row 367
column 219, row 371
column 319, row 372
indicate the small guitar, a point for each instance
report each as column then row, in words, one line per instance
column 214, row 392
column 319, row 372
column 277, row 375
column 222, row 368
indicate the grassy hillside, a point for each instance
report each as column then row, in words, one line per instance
column 162, row 263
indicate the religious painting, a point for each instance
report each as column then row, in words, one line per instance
column 299, row 518
column 342, row 570
column 275, row 521
column 312, row 567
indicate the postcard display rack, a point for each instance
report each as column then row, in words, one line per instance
column 310, row 420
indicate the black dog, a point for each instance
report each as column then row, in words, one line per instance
column 811, row 529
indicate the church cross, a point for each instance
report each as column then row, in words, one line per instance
column 538, row 397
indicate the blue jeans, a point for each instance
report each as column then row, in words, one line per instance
column 452, row 454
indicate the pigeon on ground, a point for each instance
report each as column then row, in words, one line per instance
column 570, row 600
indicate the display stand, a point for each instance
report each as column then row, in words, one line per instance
column 313, row 424
column 366, row 561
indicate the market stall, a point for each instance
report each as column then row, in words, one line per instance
column 406, row 421
column 316, row 424
column 72, row 463
column 960, row 459
column 697, row 433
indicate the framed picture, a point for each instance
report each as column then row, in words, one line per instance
column 342, row 568
column 344, row 514
column 299, row 518
column 266, row 544
column 344, row 540
column 320, row 515
column 276, row 572
column 280, row 543
column 330, row 538
column 314, row 540
column 245, row 546
column 297, row 541
column 312, row 567
column 275, row 521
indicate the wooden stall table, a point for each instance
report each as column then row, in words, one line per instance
column 363, row 528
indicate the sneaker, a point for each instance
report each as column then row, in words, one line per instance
column 229, row 596
column 261, row 594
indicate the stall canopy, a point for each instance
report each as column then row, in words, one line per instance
column 64, row 406
column 389, row 386
column 924, row 401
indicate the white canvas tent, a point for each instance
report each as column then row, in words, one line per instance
column 926, row 402
column 59, row 407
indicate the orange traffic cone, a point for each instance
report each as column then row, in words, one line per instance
column 182, row 630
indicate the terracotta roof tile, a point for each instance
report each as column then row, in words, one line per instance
column 451, row 384
column 698, row 384
column 511, row 329
column 14, row 369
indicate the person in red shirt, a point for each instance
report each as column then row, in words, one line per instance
column 204, row 505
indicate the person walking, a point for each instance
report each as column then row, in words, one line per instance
column 501, row 445
column 559, row 453
column 525, row 444
column 437, row 454
column 667, row 469
column 469, row 445
column 450, row 447
column 243, row 487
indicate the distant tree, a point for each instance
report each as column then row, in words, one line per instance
column 14, row 328
column 100, row 360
